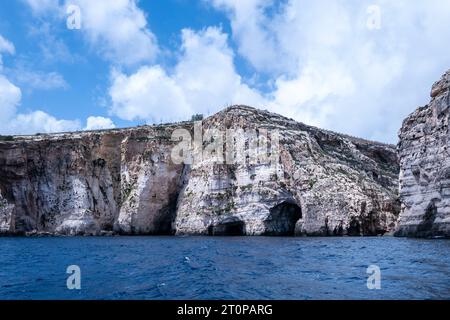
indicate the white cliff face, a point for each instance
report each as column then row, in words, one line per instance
column 425, row 167
column 6, row 216
column 321, row 183
column 125, row 181
column 88, row 183
column 149, row 186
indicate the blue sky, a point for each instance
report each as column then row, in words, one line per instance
column 357, row 67
column 84, row 72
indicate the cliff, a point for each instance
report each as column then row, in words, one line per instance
column 425, row 167
column 311, row 182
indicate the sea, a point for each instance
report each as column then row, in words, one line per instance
column 293, row 268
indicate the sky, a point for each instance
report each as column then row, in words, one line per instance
column 355, row 67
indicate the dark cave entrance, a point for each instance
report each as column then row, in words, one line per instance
column 425, row 228
column 228, row 228
column 162, row 223
column 282, row 219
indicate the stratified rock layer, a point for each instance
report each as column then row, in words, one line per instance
column 88, row 183
column 323, row 184
column 320, row 183
column 425, row 167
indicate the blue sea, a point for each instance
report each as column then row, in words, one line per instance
column 224, row 268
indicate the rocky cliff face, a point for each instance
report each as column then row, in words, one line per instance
column 86, row 183
column 321, row 183
column 312, row 182
column 425, row 167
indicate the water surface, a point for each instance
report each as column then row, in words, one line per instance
column 224, row 268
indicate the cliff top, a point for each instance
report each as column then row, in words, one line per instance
column 439, row 88
column 244, row 110
column 441, row 85
column 247, row 112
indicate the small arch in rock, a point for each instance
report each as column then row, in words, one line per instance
column 354, row 228
column 424, row 229
column 231, row 227
column 282, row 219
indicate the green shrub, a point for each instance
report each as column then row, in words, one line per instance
column 197, row 117
column 6, row 138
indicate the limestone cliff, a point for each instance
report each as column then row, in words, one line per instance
column 425, row 167
column 125, row 181
column 323, row 184
column 86, row 183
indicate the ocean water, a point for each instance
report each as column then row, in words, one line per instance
column 224, row 268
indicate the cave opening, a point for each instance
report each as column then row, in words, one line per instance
column 163, row 222
column 424, row 229
column 354, row 228
column 228, row 228
column 282, row 219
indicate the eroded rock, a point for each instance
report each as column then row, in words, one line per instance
column 425, row 167
column 322, row 183
column 125, row 181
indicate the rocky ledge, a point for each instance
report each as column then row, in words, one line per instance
column 313, row 182
column 425, row 167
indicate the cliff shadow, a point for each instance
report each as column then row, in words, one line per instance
column 425, row 228
column 228, row 227
column 165, row 223
column 282, row 219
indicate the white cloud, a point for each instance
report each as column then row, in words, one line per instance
column 119, row 28
column 251, row 31
column 98, row 123
column 330, row 70
column 39, row 80
column 42, row 6
column 322, row 64
column 204, row 80
column 149, row 94
column 10, row 97
column 24, row 76
column 33, row 122
column 5, row 46
column 53, row 49
column 40, row 122
column 207, row 74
